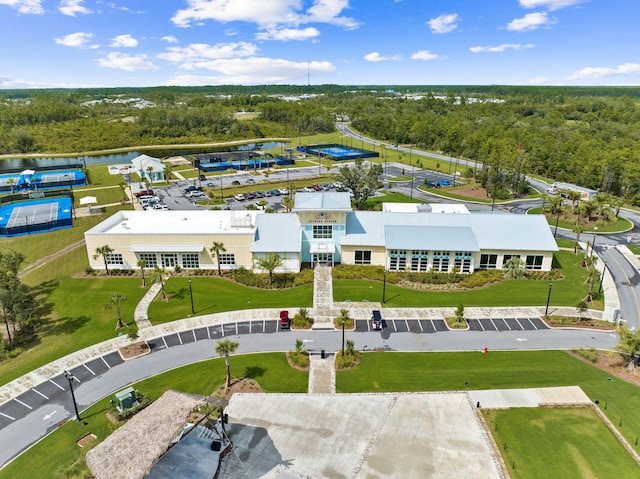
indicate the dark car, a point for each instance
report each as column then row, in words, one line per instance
column 285, row 322
column 203, row 178
column 259, row 194
column 235, row 183
column 275, row 192
column 376, row 320
column 250, row 195
column 211, row 185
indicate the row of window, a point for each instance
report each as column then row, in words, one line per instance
column 170, row 260
column 490, row 261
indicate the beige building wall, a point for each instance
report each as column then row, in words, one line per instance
column 378, row 254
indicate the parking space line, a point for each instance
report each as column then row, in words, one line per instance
column 25, row 405
column 406, row 323
column 209, row 332
column 7, row 416
column 420, row 326
column 179, row 338
column 519, row 324
column 165, row 343
column 236, row 329
column 105, row 362
column 394, row 326
column 433, row 326
column 505, row 322
column 194, row 335
column 532, row 324
column 56, row 384
column 481, row 325
column 88, row 369
column 222, row 329
column 38, row 392
column 494, row 324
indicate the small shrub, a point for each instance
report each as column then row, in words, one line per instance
column 299, row 358
column 302, row 320
column 590, row 354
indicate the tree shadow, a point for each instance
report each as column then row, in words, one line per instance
column 253, row 372
column 177, row 294
column 66, row 325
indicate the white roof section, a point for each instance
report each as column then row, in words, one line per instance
column 425, row 208
column 142, row 162
column 432, row 238
column 162, row 222
column 570, row 186
column 500, row 231
column 322, row 201
column 277, row 232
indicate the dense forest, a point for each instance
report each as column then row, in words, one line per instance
column 587, row 136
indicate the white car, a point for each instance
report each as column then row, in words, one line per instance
column 160, row 206
column 283, row 191
column 239, row 197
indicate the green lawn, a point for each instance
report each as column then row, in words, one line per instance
column 558, row 442
column 375, row 202
column 215, row 295
column 566, row 292
column 58, row 451
column 385, row 372
column 622, row 224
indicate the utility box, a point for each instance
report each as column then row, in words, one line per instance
column 126, row 399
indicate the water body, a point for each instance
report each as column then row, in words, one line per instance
column 19, row 164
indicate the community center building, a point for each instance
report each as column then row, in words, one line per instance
column 323, row 228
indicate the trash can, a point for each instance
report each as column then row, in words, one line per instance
column 216, row 445
column 322, row 354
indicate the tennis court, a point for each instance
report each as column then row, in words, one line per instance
column 27, row 217
column 32, row 180
column 340, row 152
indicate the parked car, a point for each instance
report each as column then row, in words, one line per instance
column 316, row 187
column 308, row 189
column 267, row 193
column 285, row 322
column 203, row 178
column 275, row 192
column 239, row 197
column 160, row 206
column 191, row 188
column 251, row 180
column 283, row 191
column 259, row 194
column 144, row 193
column 211, row 185
column 250, row 195
column 235, row 183
column 376, row 320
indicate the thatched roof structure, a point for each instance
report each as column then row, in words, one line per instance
column 131, row 451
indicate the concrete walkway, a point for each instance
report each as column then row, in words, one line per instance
column 323, row 313
column 534, row 397
column 322, row 375
column 141, row 314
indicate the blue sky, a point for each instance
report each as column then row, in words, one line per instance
column 118, row 43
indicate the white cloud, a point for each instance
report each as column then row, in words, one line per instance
column 538, row 80
column 266, row 13
column 549, row 4
column 169, row 39
column 124, row 41
column 444, row 23
column 254, row 71
column 15, row 83
column 425, row 55
column 376, row 57
column 25, row 6
column 600, row 72
column 531, row 21
column 72, row 7
column 78, row 39
column 126, row 62
column 287, row 34
column 500, row 48
column 195, row 53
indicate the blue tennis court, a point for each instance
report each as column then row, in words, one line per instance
column 32, row 180
column 340, row 152
column 36, row 216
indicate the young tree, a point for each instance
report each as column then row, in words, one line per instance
column 581, row 307
column 142, row 264
column 270, row 263
column 362, row 180
column 14, row 296
column 104, row 251
column 114, row 302
column 160, row 275
column 216, row 249
column 629, row 344
column 226, row 348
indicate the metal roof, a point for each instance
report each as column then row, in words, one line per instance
column 323, row 200
column 277, row 233
column 432, row 238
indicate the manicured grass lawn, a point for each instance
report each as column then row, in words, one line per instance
column 385, row 372
column 558, row 443
column 622, row 224
column 78, row 320
column 214, row 295
column 58, row 451
column 635, row 248
column 566, row 292
column 375, row 202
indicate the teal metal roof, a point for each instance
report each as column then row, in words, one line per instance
column 322, row 201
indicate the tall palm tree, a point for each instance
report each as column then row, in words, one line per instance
column 142, row 264
column 226, row 347
column 270, row 263
column 578, row 229
column 592, row 275
column 149, row 171
column 574, row 197
column 123, row 189
column 217, row 248
column 114, row 302
column 104, row 251
column 168, row 173
column 160, row 275
column 11, row 182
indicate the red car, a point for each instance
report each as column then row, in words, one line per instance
column 285, row 322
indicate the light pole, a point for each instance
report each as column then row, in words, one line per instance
column 602, row 278
column 384, row 285
column 593, row 245
column 193, row 311
column 546, row 311
column 70, row 377
column 343, row 321
column 555, row 231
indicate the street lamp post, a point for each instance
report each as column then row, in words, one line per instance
column 343, row 321
column 193, row 311
column 602, row 278
column 593, row 245
column 546, row 311
column 555, row 231
column 70, row 377
column 384, row 285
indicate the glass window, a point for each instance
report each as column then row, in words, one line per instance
column 507, row 257
column 227, row 258
column 190, row 260
column 488, row 261
column 322, row 231
column 363, row 257
column 114, row 258
column 169, row 260
column 419, row 260
column 150, row 258
column 397, row 260
column 534, row 261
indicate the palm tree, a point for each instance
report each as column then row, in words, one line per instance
column 123, row 188
column 114, row 302
column 588, row 207
column 217, row 248
column 270, row 263
column 142, row 264
column 149, row 171
column 581, row 307
column 11, row 182
column 574, row 197
column 168, row 173
column 104, row 251
column 578, row 229
column 225, row 348
column 160, row 275
column 515, row 267
column 591, row 277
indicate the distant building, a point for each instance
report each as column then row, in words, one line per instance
column 563, row 188
column 149, row 167
column 323, row 228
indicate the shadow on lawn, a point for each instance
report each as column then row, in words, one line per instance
column 253, row 372
column 66, row 325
